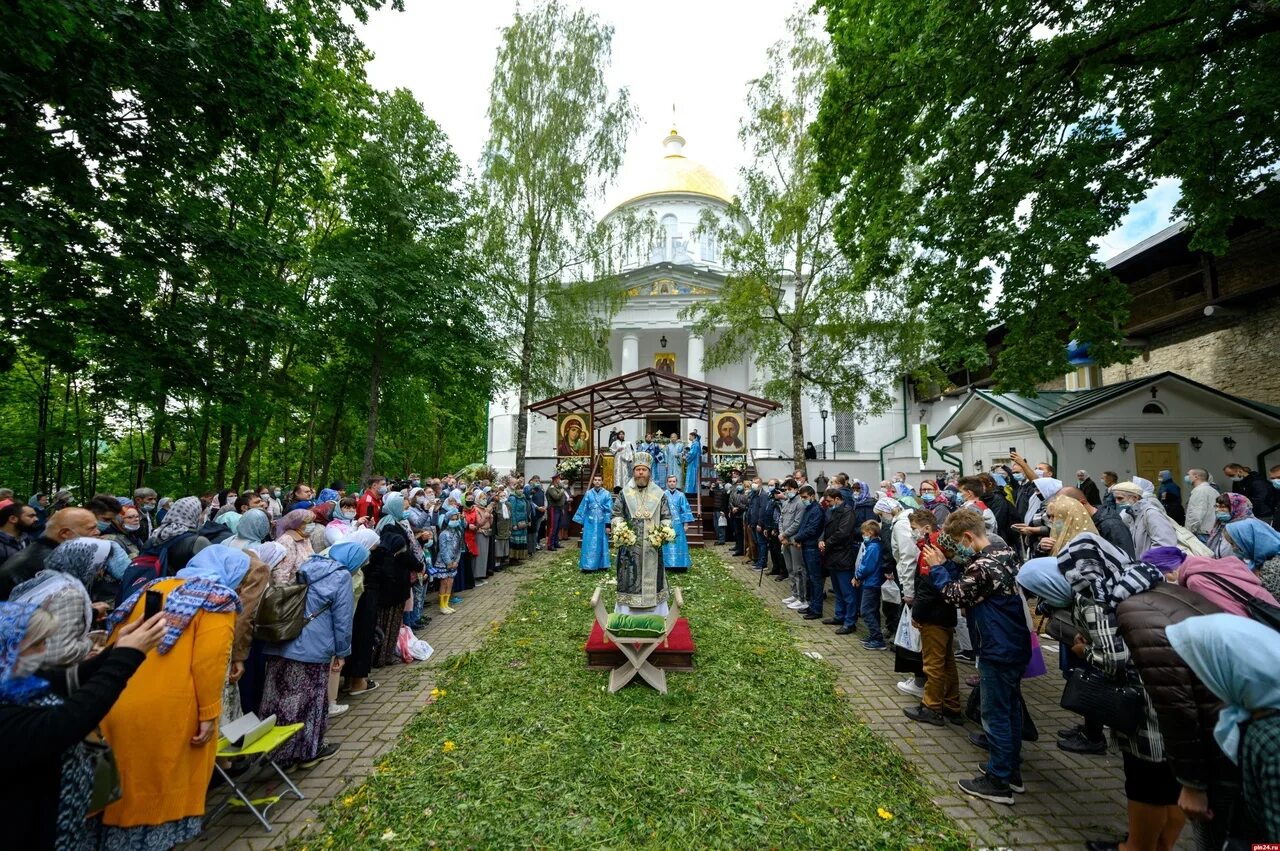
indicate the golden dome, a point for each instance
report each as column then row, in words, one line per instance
column 677, row 173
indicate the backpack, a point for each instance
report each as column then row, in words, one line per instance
column 282, row 611
column 145, row 567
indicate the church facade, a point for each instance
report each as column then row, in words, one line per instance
column 680, row 267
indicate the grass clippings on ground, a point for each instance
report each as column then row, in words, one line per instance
column 524, row 747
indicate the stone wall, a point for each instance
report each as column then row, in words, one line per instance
column 1238, row 355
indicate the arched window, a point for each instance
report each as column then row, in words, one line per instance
column 1152, row 408
column 998, row 419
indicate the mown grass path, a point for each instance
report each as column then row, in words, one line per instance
column 524, row 747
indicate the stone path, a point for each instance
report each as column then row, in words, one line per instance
column 1070, row 798
column 370, row 728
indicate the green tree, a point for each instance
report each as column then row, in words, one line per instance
column 556, row 138
column 999, row 141
column 793, row 301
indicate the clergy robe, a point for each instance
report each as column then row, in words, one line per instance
column 659, row 464
column 642, row 583
column 671, row 458
column 675, row 554
column 622, row 456
column 693, row 466
column 594, row 513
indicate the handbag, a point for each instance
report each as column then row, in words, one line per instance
column 1093, row 694
column 1035, row 665
column 1259, row 610
column 106, row 788
column 282, row 613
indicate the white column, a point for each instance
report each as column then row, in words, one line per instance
column 694, row 370
column 630, row 352
column 760, row 431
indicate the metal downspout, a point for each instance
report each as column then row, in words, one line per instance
column 1053, row 453
column 905, row 431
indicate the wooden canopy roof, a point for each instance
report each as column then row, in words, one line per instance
column 646, row 392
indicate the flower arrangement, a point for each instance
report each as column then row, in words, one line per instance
column 661, row 533
column 623, row 535
column 726, row 464
column 571, row 467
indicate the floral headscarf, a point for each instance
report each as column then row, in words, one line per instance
column 1241, row 509
column 182, row 517
column 1074, row 521
column 180, row 606
column 15, row 618
column 293, row 521
column 81, row 558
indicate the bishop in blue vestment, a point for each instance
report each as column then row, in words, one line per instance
column 594, row 514
column 675, row 554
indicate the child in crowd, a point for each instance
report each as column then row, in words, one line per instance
column 868, row 576
column 935, row 618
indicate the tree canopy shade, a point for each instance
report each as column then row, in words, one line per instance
column 794, row 301
column 556, row 138
column 984, row 145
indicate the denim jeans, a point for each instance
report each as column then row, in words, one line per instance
column 762, row 549
column 1002, row 716
column 816, row 585
column 846, row 605
column 871, row 612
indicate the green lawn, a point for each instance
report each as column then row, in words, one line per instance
column 526, row 748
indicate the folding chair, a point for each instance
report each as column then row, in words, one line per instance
column 636, row 651
column 259, row 753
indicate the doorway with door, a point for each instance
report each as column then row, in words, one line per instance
column 662, row 425
column 1150, row 458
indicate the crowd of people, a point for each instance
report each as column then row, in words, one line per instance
column 1165, row 611
column 147, row 622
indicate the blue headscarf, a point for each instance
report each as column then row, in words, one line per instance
column 392, row 510
column 218, row 563
column 327, row 495
column 254, row 526
column 14, row 620
column 1236, row 658
column 349, row 554
column 1255, row 539
column 1042, row 577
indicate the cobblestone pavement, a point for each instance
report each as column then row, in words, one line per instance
column 370, row 728
column 1070, row 798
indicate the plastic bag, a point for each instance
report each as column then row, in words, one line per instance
column 411, row 648
column 907, row 637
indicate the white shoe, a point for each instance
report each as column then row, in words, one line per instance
column 336, row 709
column 798, row 604
column 908, row 686
column 787, row 601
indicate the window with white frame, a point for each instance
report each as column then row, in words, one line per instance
column 844, row 426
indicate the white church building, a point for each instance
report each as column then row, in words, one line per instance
column 1131, row 427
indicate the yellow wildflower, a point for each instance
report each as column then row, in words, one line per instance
column 449, row 747
column 884, row 814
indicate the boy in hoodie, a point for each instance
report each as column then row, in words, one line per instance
column 973, row 572
column 868, row 577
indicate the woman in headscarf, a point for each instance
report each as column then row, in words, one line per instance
column 243, row 572
column 1236, row 658
column 255, row 665
column 342, row 522
column 297, row 688
column 223, row 503
column 389, row 579
column 1101, row 578
column 1067, row 519
column 1170, row 496
column 929, row 497
column 501, row 530
column 253, row 528
column 1225, row 582
column 1228, row 508
column 291, row 533
column 1257, row 545
column 356, row 669
column 519, row 506
column 62, row 589
column 163, row 729
column 48, row 777
column 484, row 538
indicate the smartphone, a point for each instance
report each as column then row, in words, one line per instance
column 1012, row 449
column 153, row 604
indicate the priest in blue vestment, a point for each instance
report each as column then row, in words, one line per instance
column 671, row 454
column 693, row 463
column 675, row 554
column 594, row 514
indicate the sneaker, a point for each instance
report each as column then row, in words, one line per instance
column 1079, row 744
column 908, row 686
column 336, row 709
column 481, row 582
column 988, row 789
column 874, row 645
column 845, row 630
column 967, row 656
column 956, row 718
column 788, row 600
column 326, row 752
column 978, row 739
column 797, row 605
column 811, row 616
column 924, row 715
column 370, row 687
column 1015, row 782
column 448, row 610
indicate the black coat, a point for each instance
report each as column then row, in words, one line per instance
column 841, row 538
column 24, row 565
column 1091, row 493
column 1003, row 511
column 33, row 739
column 1259, row 492
column 1113, row 530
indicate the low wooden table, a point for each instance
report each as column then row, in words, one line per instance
column 636, row 651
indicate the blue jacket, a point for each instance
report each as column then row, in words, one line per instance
column 327, row 634
column 868, row 569
column 811, row 524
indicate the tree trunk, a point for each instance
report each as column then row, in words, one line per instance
column 42, row 416
column 795, row 399
column 331, row 438
column 157, row 428
column 252, row 441
column 371, row 430
column 310, row 458
column 203, row 476
column 526, row 356
column 224, row 451
column 79, row 441
column 62, row 433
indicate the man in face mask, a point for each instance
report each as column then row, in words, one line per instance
column 67, row 525
column 1200, row 501
column 791, row 514
column 145, row 499
column 1248, row 483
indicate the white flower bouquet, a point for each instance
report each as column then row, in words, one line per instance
column 661, row 534
column 623, row 535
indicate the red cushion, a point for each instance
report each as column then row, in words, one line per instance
column 679, row 641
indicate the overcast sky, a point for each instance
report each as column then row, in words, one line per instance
column 699, row 56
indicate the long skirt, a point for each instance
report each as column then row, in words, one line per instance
column 388, row 634
column 501, row 547
column 362, row 633
column 482, row 557
column 297, row 691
